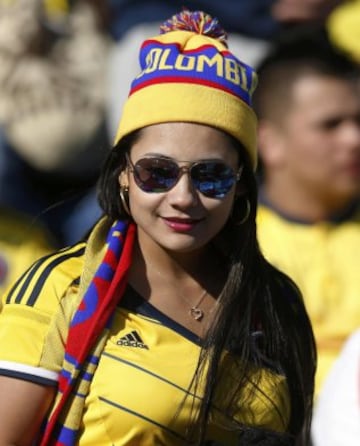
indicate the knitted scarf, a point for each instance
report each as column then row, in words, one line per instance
column 87, row 336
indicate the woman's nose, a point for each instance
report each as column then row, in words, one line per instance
column 184, row 193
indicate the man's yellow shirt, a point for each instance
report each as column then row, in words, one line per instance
column 323, row 260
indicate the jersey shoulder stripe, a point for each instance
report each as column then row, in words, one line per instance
column 28, row 373
column 52, row 273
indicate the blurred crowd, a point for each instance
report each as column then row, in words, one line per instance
column 63, row 65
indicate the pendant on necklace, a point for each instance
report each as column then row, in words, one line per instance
column 196, row 313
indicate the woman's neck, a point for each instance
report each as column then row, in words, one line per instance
column 177, row 283
column 174, row 264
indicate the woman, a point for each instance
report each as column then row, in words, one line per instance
column 166, row 326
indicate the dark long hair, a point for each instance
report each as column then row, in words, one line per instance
column 261, row 317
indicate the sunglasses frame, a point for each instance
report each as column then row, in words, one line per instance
column 182, row 170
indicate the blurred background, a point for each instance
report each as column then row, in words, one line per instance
column 65, row 71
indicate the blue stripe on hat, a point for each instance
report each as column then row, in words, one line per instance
column 206, row 65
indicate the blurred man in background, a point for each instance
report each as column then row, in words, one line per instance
column 308, row 105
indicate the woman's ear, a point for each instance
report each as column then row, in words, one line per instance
column 124, row 178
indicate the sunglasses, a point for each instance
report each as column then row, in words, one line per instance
column 213, row 179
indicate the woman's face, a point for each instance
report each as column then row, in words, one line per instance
column 181, row 219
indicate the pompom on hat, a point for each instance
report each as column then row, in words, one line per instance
column 189, row 75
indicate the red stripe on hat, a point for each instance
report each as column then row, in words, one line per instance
column 183, row 80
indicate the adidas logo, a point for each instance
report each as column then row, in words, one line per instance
column 132, row 340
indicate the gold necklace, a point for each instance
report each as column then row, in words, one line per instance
column 195, row 312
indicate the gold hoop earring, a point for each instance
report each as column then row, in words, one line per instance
column 124, row 190
column 242, row 220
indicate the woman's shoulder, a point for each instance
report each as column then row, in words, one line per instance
column 45, row 283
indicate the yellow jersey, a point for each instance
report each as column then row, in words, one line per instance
column 323, row 260
column 141, row 390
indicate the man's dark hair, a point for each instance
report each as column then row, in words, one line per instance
column 296, row 53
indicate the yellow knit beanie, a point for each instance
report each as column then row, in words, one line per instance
column 189, row 75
